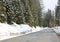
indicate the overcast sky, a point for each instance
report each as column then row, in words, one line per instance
column 49, row 4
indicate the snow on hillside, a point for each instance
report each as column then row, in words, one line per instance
column 8, row 31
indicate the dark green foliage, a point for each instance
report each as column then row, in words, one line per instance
column 36, row 12
column 58, row 15
column 2, row 12
column 57, row 12
column 21, row 12
column 47, row 19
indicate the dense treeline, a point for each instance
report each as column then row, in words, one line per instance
column 49, row 19
column 28, row 12
column 57, row 11
column 21, row 12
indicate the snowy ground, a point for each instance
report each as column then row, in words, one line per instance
column 57, row 29
column 9, row 31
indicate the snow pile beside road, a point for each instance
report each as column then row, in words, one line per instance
column 38, row 28
column 8, row 31
column 57, row 29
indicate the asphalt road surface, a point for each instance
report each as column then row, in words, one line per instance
column 47, row 35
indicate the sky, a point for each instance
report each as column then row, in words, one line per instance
column 49, row 4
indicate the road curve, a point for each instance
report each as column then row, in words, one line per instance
column 47, row 35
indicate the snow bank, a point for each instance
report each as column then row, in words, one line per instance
column 8, row 31
column 38, row 28
column 15, row 28
column 5, row 28
column 57, row 29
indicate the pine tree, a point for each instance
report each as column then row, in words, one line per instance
column 19, row 12
column 57, row 12
column 36, row 12
column 47, row 20
column 2, row 12
column 23, row 12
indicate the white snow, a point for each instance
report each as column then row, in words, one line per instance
column 37, row 29
column 5, row 28
column 8, row 31
column 57, row 29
